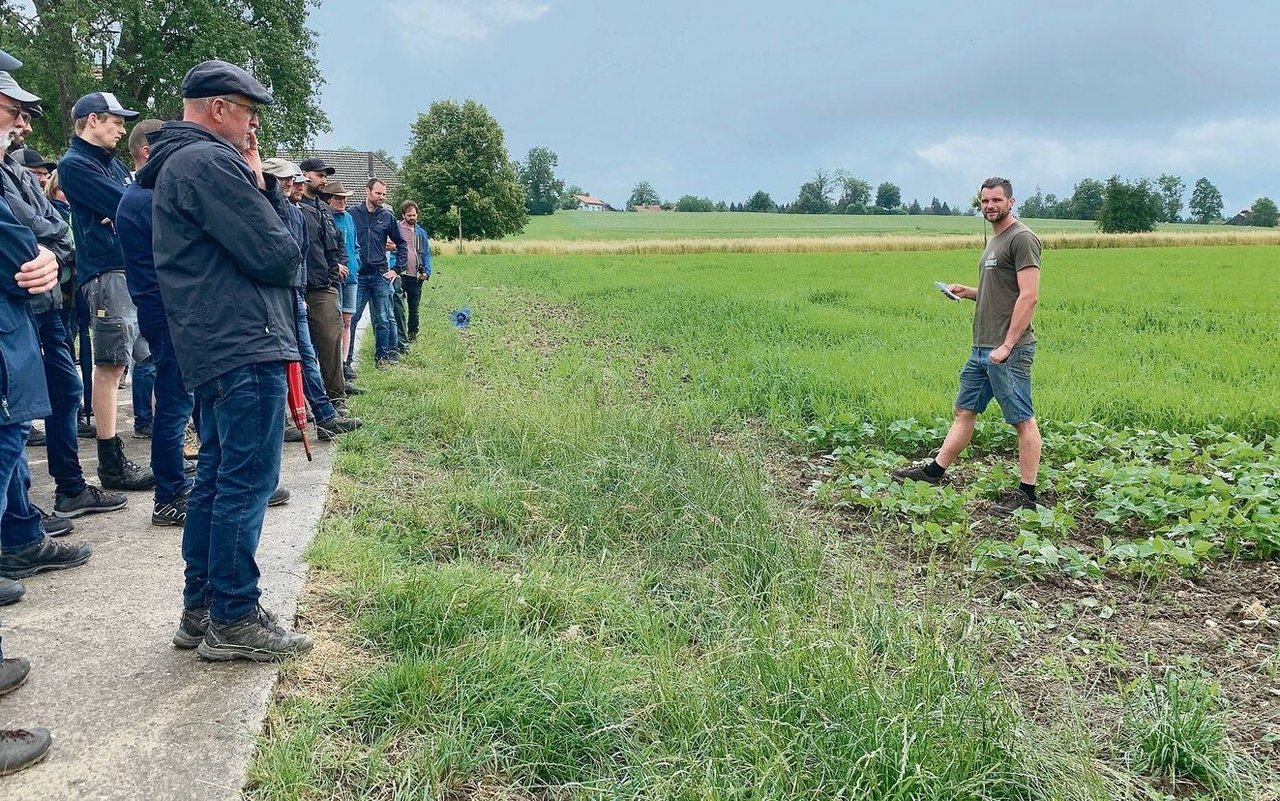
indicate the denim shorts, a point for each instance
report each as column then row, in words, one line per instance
column 348, row 300
column 1008, row 382
column 113, row 320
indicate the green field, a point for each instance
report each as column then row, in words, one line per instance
column 586, row 225
column 573, row 553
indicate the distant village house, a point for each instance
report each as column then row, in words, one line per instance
column 592, row 203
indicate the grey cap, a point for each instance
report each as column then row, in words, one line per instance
column 281, row 168
column 8, row 86
column 8, row 62
column 214, row 78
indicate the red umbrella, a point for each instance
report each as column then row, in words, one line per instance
column 297, row 401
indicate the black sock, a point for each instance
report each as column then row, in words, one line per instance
column 934, row 470
column 1027, row 489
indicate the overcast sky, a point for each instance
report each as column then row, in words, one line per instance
column 717, row 98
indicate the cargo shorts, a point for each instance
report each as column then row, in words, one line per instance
column 113, row 321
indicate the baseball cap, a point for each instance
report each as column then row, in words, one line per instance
column 214, row 78
column 316, row 165
column 282, row 168
column 31, row 158
column 100, row 103
column 8, row 86
column 8, row 62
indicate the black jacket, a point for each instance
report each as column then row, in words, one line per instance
column 225, row 261
column 324, row 247
column 93, row 180
column 29, row 204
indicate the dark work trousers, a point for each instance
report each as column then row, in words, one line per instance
column 325, row 323
column 399, row 309
column 65, row 391
column 173, row 408
column 413, row 294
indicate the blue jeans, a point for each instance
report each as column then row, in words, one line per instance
column 19, row 520
column 1009, row 382
column 173, row 409
column 85, row 354
column 65, row 392
column 376, row 291
column 312, row 381
column 143, row 385
column 241, row 437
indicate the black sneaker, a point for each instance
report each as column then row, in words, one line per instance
column 54, row 526
column 22, row 748
column 352, row 390
column 194, row 624
column 90, row 501
column 47, row 554
column 10, row 591
column 280, row 497
column 85, row 429
column 254, row 636
column 1019, row 500
column 13, row 673
column 142, row 431
column 916, row 472
column 336, row 425
column 349, row 372
column 35, row 438
column 172, row 513
column 293, row 434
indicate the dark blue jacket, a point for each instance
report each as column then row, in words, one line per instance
column 23, row 394
column 94, row 181
column 29, row 205
column 226, row 263
column 133, row 226
column 372, row 232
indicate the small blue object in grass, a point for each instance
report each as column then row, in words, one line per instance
column 460, row 317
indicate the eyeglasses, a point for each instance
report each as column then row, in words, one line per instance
column 14, row 110
column 253, row 110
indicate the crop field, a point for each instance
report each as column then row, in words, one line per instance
column 596, row 226
column 630, row 535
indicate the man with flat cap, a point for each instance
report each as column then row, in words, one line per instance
column 227, row 268
column 94, row 180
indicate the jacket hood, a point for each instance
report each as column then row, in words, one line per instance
column 169, row 140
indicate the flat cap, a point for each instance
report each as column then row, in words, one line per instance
column 100, row 103
column 214, row 78
column 9, row 87
column 32, row 159
column 8, row 62
column 334, row 188
column 34, row 109
column 316, row 165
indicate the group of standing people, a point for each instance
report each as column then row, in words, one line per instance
column 204, row 273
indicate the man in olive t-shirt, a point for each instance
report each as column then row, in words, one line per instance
column 1004, row 345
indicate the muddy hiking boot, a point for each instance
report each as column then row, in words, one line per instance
column 119, row 472
column 194, row 624
column 255, row 637
column 917, row 472
column 336, row 425
column 22, row 748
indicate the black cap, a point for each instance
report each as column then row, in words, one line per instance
column 100, row 103
column 214, row 78
column 32, row 159
column 316, row 165
column 8, row 62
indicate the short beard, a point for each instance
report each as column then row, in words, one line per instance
column 1000, row 216
column 6, row 139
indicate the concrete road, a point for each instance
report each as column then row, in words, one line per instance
column 132, row 717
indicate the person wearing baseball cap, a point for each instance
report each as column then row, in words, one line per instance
column 335, row 194
column 37, row 165
column 94, row 180
column 228, row 269
column 318, row 167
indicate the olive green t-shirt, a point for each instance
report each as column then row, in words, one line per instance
column 1013, row 249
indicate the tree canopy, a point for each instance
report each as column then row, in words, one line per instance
column 542, row 190
column 458, row 157
column 1206, row 202
column 888, row 196
column 643, row 195
column 760, row 201
column 142, row 49
column 1263, row 213
column 1129, row 207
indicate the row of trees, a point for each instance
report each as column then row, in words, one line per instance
column 1135, row 206
column 1165, row 193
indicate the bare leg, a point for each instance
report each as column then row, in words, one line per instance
column 346, row 333
column 958, row 436
column 106, row 390
column 1028, row 449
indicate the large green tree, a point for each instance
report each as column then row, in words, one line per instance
column 141, row 49
column 458, row 157
column 1086, row 199
column 1171, row 191
column 1129, row 206
column 643, row 195
column 855, row 193
column 760, row 201
column 1206, row 202
column 542, row 189
column 888, row 196
column 1263, row 213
